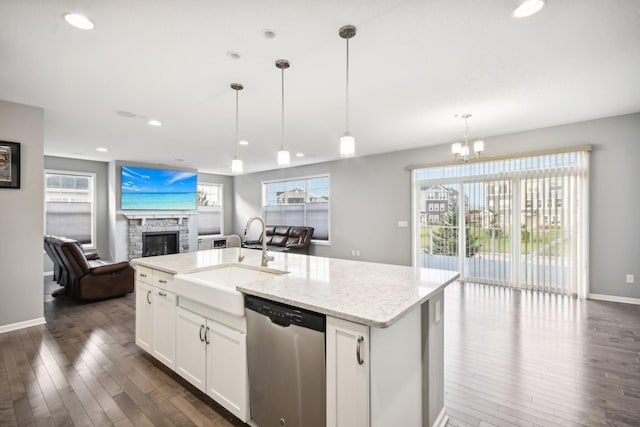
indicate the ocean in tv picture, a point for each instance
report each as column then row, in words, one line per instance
column 168, row 201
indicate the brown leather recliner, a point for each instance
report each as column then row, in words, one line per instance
column 95, row 282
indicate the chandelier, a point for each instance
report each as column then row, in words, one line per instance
column 461, row 150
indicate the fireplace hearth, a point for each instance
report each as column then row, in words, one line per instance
column 160, row 243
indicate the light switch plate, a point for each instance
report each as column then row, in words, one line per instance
column 403, row 224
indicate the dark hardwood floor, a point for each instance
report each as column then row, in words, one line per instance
column 535, row 359
column 512, row 358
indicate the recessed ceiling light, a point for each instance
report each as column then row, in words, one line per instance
column 233, row 54
column 154, row 122
column 102, row 149
column 299, row 154
column 244, row 142
column 528, row 8
column 179, row 160
column 268, row 33
column 79, row 21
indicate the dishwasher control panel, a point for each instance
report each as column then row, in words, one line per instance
column 286, row 315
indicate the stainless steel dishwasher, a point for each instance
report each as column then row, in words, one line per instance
column 286, row 358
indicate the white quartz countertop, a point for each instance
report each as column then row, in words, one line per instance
column 368, row 293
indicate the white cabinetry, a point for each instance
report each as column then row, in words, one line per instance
column 191, row 361
column 213, row 357
column 164, row 327
column 367, row 368
column 144, row 316
column 347, row 374
column 155, row 315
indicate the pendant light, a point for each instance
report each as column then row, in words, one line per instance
column 236, row 163
column 347, row 141
column 283, row 155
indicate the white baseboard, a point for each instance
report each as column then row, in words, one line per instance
column 442, row 419
column 21, row 325
column 613, row 298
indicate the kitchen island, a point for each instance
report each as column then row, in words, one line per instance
column 392, row 316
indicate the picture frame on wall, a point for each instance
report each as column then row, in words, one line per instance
column 9, row 164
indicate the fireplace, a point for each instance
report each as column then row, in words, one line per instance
column 160, row 243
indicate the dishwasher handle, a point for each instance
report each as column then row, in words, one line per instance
column 285, row 323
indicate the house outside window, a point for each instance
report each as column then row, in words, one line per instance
column 70, row 206
column 299, row 202
column 210, row 220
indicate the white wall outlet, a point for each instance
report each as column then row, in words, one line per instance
column 353, row 252
column 629, row 278
column 403, row 224
column 357, row 252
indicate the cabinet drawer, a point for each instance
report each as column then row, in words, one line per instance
column 143, row 274
column 163, row 280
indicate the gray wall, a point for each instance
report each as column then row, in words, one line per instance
column 102, row 203
column 21, row 220
column 369, row 195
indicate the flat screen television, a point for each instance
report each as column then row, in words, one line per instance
column 157, row 189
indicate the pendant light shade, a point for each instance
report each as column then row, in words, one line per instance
column 347, row 141
column 236, row 163
column 284, row 159
column 347, row 146
column 236, row 166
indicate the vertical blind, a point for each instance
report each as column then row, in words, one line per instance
column 520, row 222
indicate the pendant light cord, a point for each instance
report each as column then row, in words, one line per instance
column 282, row 125
column 347, row 89
column 236, row 123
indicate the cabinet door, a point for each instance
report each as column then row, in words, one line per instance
column 191, row 350
column 164, row 327
column 347, row 374
column 144, row 316
column 227, row 378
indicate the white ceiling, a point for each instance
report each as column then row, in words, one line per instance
column 414, row 64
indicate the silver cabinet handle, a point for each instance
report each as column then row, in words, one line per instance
column 206, row 336
column 149, row 297
column 143, row 275
column 200, row 334
column 162, row 281
column 359, row 350
column 162, row 294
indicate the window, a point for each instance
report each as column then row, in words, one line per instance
column 69, row 206
column 300, row 201
column 441, row 207
column 430, row 207
column 209, row 209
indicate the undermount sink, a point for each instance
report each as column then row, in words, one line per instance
column 216, row 287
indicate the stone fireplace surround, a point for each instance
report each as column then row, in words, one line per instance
column 141, row 223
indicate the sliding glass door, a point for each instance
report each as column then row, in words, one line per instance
column 518, row 222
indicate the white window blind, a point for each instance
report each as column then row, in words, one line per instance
column 522, row 221
column 69, row 206
column 209, row 209
column 300, row 201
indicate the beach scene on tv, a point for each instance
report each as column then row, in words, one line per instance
column 158, row 189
